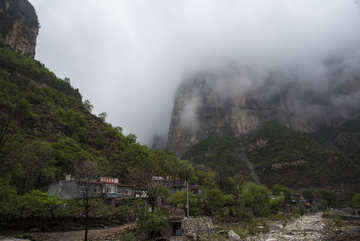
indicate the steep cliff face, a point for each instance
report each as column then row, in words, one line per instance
column 236, row 105
column 19, row 26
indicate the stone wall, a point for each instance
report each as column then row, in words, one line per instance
column 197, row 225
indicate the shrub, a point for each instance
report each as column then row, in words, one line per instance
column 128, row 237
column 301, row 208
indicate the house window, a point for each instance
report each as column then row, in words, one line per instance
column 128, row 191
column 119, row 190
column 111, row 188
column 97, row 189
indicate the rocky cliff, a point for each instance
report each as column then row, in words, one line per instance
column 236, row 104
column 19, row 26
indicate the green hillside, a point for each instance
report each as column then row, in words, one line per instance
column 47, row 131
column 348, row 140
column 220, row 155
column 291, row 158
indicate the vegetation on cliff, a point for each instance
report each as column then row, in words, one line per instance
column 48, row 132
column 220, row 156
column 291, row 158
column 347, row 139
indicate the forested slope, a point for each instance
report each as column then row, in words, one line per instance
column 219, row 154
column 347, row 139
column 291, row 158
column 48, row 132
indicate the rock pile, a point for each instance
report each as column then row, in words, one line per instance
column 197, row 225
column 309, row 227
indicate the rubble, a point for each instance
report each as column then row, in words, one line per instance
column 308, row 227
column 197, row 225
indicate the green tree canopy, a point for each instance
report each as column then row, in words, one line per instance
column 355, row 201
column 214, row 199
column 277, row 189
column 148, row 220
column 255, row 197
column 308, row 194
column 102, row 116
column 329, row 196
column 88, row 106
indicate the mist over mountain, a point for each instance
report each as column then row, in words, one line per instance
column 235, row 99
column 136, row 54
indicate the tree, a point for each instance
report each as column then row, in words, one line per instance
column 179, row 197
column 214, row 199
column 186, row 171
column 13, row 117
column 102, row 116
column 85, row 202
column 355, row 201
column 39, row 203
column 159, row 191
column 277, row 189
column 131, row 138
column 100, row 141
column 8, row 202
column 142, row 178
column 308, row 195
column 118, row 129
column 256, row 197
column 278, row 202
column 35, row 167
column 88, row 106
column 329, row 196
column 148, row 220
column 301, row 208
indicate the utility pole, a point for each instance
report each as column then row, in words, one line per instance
column 187, row 198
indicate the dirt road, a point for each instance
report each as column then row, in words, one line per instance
column 95, row 234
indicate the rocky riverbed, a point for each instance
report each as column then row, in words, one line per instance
column 308, row 227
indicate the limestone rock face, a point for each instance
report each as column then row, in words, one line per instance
column 19, row 26
column 219, row 106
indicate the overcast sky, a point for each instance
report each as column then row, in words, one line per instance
column 128, row 57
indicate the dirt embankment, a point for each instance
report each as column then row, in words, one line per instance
column 104, row 233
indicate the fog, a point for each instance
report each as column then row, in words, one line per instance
column 128, row 57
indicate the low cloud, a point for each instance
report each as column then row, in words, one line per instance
column 128, row 57
column 188, row 116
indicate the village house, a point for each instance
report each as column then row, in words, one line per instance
column 294, row 204
column 106, row 188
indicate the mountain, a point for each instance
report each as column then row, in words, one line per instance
column 313, row 122
column 19, row 26
column 235, row 104
column 46, row 130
